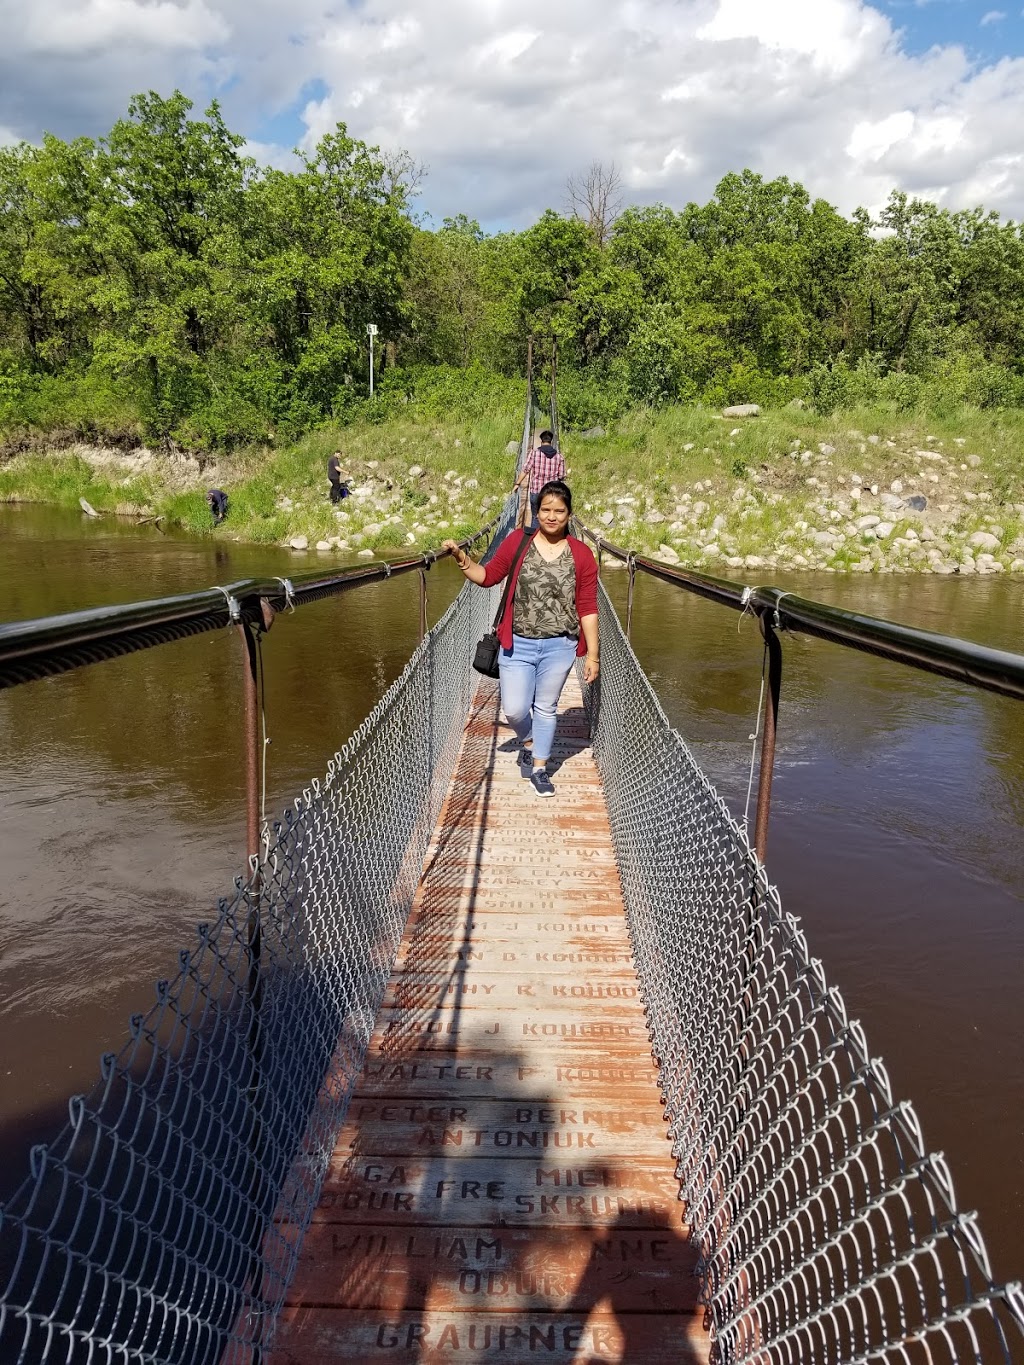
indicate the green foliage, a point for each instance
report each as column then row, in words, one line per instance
column 157, row 284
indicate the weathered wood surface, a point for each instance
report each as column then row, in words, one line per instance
column 503, row 1187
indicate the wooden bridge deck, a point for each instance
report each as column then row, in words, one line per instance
column 503, row 1186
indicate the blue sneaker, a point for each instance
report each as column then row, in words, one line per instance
column 541, row 782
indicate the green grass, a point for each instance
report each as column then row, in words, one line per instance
column 752, row 472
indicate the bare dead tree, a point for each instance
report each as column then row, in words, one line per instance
column 403, row 175
column 595, row 197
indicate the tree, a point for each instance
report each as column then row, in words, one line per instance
column 594, row 196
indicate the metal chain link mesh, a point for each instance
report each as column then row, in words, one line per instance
column 164, row 1222
column 827, row 1232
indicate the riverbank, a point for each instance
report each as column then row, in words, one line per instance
column 865, row 490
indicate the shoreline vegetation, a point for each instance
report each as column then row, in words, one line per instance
column 176, row 316
column 859, row 490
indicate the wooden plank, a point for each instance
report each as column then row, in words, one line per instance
column 503, row 1186
column 441, row 952
column 512, row 1269
column 513, row 1192
column 316, row 1336
column 550, row 1074
column 613, row 1127
column 500, row 1030
column 470, row 986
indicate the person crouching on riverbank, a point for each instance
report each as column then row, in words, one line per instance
column 550, row 620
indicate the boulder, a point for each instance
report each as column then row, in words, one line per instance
column 606, row 518
column 753, row 562
column 983, row 540
column 1017, row 566
column 667, row 554
column 592, row 434
column 973, row 461
column 364, row 554
column 654, row 517
column 917, row 502
column 865, row 523
column 323, row 546
column 824, row 449
column 299, row 543
column 742, row 410
column 416, row 471
column 884, row 530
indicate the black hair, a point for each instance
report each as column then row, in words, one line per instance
column 560, row 490
column 547, row 436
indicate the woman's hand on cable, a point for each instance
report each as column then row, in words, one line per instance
column 459, row 554
column 591, row 668
column 476, row 573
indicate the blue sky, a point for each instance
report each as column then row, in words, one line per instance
column 986, row 31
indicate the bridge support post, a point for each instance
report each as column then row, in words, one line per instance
column 254, row 978
column 423, row 605
column 629, row 597
column 770, row 723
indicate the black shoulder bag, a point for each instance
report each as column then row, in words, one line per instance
column 485, row 660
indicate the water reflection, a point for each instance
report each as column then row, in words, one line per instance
column 897, row 819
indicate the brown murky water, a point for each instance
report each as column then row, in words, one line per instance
column 897, row 824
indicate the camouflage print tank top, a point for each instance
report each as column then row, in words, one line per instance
column 545, row 600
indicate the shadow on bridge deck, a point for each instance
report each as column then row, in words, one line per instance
column 503, row 1185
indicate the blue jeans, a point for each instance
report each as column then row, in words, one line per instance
column 533, row 673
column 534, row 507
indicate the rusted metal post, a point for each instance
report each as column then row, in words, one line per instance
column 252, row 742
column 629, row 599
column 254, row 976
column 423, row 604
column 771, row 717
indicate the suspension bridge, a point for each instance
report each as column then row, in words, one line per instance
column 456, row 1074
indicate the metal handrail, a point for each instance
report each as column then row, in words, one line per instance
column 995, row 670
column 53, row 644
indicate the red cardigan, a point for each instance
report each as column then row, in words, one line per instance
column 586, row 582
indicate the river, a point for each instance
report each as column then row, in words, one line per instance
column 897, row 828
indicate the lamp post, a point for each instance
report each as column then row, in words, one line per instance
column 371, row 332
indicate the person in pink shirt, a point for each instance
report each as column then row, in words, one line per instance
column 543, row 465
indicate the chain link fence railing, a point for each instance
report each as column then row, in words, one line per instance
column 164, row 1222
column 827, row 1232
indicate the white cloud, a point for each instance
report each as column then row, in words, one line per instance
column 871, row 139
column 52, row 27
column 503, row 99
column 993, row 16
column 832, row 33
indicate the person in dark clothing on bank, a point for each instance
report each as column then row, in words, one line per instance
column 217, row 502
column 339, row 486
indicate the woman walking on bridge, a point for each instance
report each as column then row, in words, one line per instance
column 550, row 619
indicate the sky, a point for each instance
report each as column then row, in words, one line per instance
column 503, row 100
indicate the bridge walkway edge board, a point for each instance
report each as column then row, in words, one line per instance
column 503, row 1186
